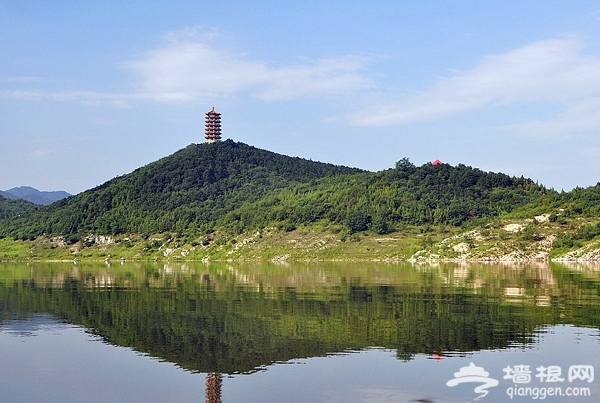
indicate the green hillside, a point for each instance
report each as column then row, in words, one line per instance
column 387, row 200
column 206, row 195
column 11, row 208
column 187, row 191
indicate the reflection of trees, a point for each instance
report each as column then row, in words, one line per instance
column 207, row 321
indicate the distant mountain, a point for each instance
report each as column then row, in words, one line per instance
column 33, row 195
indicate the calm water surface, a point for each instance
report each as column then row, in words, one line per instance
column 299, row 333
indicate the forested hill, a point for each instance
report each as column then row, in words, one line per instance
column 186, row 191
column 202, row 197
column 13, row 207
column 386, row 200
column 235, row 187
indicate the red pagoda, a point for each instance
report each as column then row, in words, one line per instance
column 212, row 128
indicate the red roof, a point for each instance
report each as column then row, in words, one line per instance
column 437, row 162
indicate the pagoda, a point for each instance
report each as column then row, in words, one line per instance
column 212, row 128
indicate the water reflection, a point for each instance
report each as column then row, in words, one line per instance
column 22, row 327
column 240, row 318
column 214, row 381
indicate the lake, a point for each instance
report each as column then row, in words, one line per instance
column 299, row 332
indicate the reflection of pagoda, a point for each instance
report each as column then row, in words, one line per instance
column 213, row 387
column 212, row 130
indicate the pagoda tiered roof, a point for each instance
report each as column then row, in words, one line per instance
column 212, row 128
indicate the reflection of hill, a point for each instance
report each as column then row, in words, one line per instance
column 227, row 318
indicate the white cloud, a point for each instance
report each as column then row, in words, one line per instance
column 580, row 116
column 190, row 70
column 42, row 152
column 21, row 79
column 85, row 97
column 197, row 33
column 591, row 152
column 554, row 70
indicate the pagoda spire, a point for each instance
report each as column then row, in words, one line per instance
column 212, row 128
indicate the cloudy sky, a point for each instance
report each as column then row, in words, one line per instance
column 90, row 90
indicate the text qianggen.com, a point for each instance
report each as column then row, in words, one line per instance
column 543, row 392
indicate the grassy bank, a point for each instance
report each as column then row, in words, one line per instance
column 538, row 237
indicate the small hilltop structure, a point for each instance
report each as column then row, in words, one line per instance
column 212, row 128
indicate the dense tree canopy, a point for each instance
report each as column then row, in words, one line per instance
column 237, row 187
column 14, row 207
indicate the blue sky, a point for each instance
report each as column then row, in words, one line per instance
column 90, row 90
